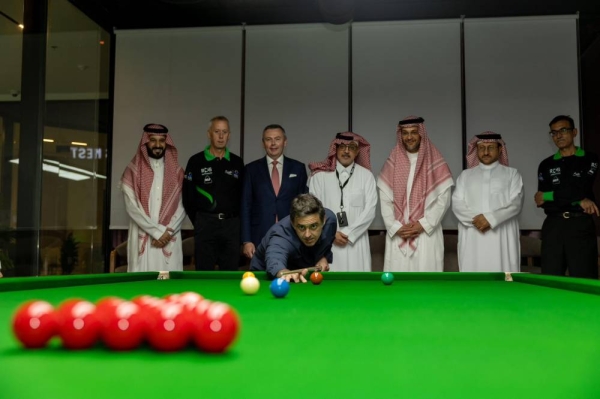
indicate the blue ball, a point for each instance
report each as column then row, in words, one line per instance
column 279, row 287
column 387, row 278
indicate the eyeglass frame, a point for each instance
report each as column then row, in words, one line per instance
column 349, row 147
column 561, row 131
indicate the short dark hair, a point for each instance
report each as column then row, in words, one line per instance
column 304, row 205
column 563, row 118
column 274, row 126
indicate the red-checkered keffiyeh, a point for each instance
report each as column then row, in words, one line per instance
column 363, row 158
column 432, row 177
column 473, row 159
column 138, row 176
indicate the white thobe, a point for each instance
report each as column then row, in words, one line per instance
column 152, row 259
column 360, row 202
column 496, row 192
column 429, row 255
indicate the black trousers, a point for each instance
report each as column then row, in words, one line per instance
column 570, row 244
column 217, row 242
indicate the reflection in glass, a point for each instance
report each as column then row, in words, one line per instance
column 75, row 142
column 11, row 42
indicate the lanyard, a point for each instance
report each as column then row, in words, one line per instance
column 344, row 185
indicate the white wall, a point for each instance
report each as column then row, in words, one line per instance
column 296, row 76
column 414, row 69
column 520, row 72
column 179, row 78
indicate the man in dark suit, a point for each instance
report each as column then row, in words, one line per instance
column 270, row 185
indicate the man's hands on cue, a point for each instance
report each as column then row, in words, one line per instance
column 297, row 276
column 322, row 265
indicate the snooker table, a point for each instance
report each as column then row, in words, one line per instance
column 428, row 335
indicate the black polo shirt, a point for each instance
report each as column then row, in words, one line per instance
column 212, row 185
column 565, row 181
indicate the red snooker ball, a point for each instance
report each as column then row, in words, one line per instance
column 106, row 306
column 215, row 326
column 34, row 324
column 172, row 297
column 169, row 327
column 78, row 325
column 316, row 278
column 147, row 302
column 189, row 299
column 124, row 327
column 143, row 300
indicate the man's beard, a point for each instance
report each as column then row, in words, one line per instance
column 154, row 156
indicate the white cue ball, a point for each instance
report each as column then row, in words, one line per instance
column 250, row 285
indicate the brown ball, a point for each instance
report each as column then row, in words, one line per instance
column 316, row 278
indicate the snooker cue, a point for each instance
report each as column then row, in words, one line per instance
column 308, row 269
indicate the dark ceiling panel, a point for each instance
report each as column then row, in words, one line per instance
column 134, row 14
column 156, row 14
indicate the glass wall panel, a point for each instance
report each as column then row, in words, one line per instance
column 75, row 142
column 11, row 41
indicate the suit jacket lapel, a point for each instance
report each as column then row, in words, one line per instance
column 286, row 172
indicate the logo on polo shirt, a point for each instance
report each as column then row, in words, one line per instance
column 555, row 171
column 207, row 180
column 206, row 171
column 235, row 173
column 189, row 176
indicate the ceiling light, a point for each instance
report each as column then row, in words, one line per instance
column 56, row 170
column 62, row 166
column 48, row 140
column 65, row 171
column 78, row 143
column 11, row 19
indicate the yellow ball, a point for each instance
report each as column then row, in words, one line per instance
column 248, row 274
column 250, row 285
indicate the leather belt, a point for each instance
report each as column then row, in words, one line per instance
column 568, row 215
column 220, row 216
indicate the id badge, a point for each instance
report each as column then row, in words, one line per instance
column 342, row 219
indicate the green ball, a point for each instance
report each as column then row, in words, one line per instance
column 387, row 278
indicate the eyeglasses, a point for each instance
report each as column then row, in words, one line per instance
column 349, row 147
column 562, row 131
